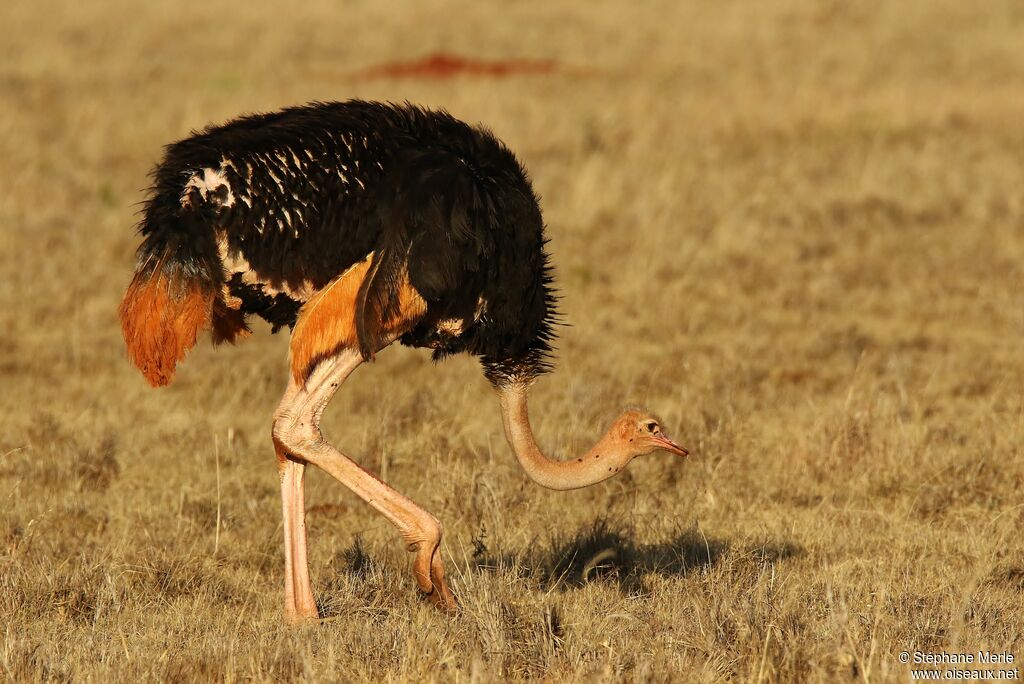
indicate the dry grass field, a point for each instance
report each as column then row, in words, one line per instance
column 794, row 230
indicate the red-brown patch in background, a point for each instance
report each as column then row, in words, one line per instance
column 441, row 65
column 160, row 319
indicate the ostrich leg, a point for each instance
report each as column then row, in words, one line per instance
column 297, row 435
column 299, row 603
column 298, row 594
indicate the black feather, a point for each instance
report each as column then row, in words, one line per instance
column 309, row 191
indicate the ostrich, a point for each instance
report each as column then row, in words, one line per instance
column 358, row 224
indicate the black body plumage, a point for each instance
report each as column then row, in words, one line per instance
column 275, row 206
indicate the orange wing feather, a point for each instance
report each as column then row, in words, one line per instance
column 327, row 322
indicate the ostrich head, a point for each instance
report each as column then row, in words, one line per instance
column 634, row 433
column 638, row 433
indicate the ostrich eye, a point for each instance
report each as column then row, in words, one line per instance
column 651, row 426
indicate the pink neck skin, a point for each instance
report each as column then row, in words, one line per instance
column 605, row 459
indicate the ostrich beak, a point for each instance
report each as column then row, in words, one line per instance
column 667, row 444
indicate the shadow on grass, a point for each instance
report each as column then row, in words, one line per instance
column 602, row 552
column 606, row 552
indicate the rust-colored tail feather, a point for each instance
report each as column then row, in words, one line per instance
column 160, row 318
column 227, row 322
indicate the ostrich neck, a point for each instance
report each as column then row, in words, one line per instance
column 604, row 460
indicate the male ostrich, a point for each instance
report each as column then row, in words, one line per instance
column 357, row 224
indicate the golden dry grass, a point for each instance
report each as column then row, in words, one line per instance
column 793, row 229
